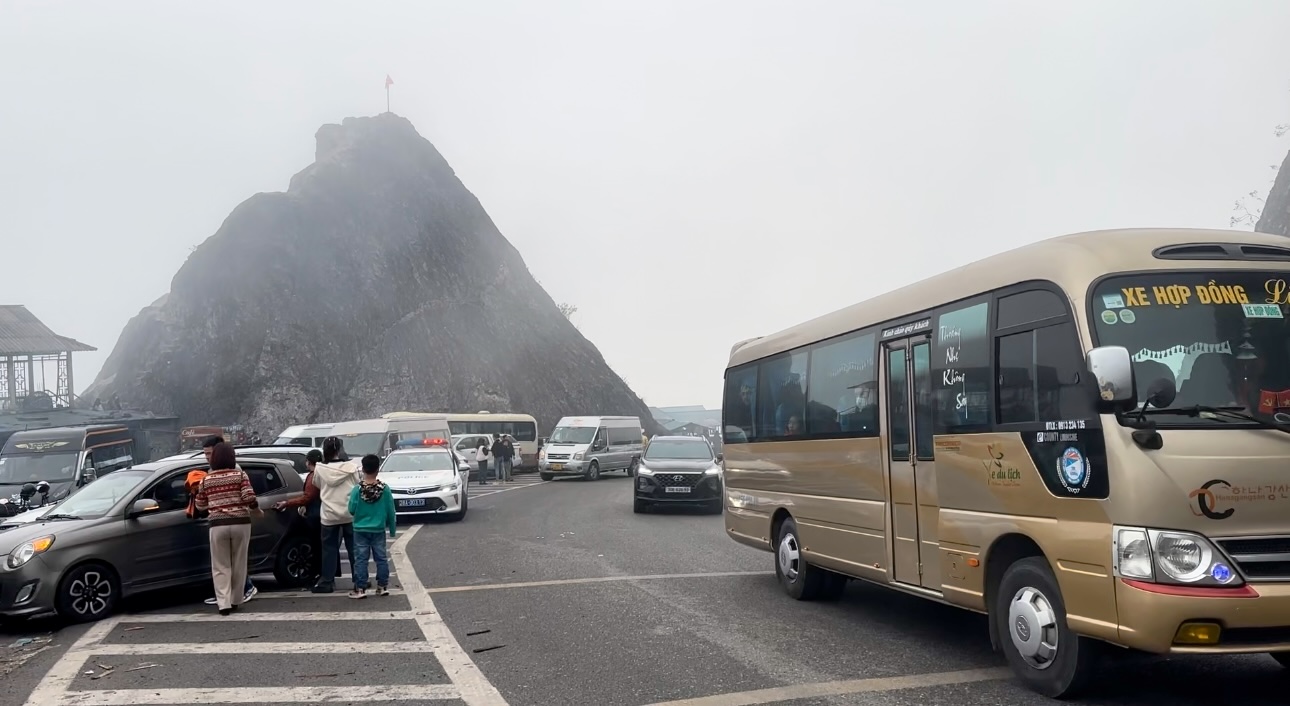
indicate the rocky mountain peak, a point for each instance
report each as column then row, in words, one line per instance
column 376, row 283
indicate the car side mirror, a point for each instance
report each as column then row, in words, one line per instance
column 720, row 458
column 1112, row 370
column 143, row 506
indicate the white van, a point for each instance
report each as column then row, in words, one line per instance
column 586, row 446
column 378, row 436
column 310, row 435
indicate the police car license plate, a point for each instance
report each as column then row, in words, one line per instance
column 557, row 466
column 414, row 502
column 677, row 489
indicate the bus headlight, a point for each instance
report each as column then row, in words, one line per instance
column 1169, row 556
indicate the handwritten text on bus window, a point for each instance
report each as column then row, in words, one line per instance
column 1179, row 295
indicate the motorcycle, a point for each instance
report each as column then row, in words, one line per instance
column 23, row 500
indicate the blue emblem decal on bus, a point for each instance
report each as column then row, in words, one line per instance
column 1072, row 470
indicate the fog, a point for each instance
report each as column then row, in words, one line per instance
column 688, row 174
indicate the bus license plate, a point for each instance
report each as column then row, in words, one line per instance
column 557, row 466
column 415, row 502
column 677, row 489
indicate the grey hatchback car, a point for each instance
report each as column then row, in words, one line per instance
column 128, row 532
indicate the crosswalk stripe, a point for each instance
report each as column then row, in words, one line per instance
column 261, row 617
column 239, row 648
column 275, row 694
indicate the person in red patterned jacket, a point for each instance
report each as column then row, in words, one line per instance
column 225, row 494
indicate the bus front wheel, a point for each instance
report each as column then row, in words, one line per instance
column 799, row 578
column 1031, row 619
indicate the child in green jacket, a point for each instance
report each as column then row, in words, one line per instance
column 372, row 505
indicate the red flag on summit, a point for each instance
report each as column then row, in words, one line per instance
column 388, row 81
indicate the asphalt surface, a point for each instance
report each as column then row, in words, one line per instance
column 558, row 594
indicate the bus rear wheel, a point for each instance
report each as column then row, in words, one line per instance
column 1030, row 616
column 800, row 579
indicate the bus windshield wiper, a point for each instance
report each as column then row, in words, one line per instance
column 1229, row 413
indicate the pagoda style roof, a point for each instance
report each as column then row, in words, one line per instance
column 21, row 333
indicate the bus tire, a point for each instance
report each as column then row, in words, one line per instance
column 1281, row 657
column 801, row 580
column 1030, row 616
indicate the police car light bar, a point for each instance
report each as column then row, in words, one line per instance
column 406, row 443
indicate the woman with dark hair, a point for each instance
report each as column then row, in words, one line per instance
column 226, row 495
column 335, row 477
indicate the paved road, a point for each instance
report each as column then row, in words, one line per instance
column 557, row 594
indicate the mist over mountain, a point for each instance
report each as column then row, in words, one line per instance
column 376, row 283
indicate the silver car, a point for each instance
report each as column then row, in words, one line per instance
column 128, row 532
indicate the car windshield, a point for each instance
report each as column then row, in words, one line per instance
column 29, row 468
column 97, row 499
column 403, row 462
column 292, row 441
column 1220, row 337
column 359, row 445
column 573, row 435
column 678, row 450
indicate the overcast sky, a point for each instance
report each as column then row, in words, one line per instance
column 743, row 162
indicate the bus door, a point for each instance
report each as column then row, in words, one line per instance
column 914, row 504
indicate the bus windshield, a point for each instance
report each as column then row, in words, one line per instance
column 29, row 468
column 1220, row 336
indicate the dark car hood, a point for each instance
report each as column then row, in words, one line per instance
column 11, row 539
column 678, row 465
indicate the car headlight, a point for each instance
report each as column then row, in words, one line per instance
column 643, row 470
column 715, row 470
column 28, row 550
column 1169, row 556
column 452, row 488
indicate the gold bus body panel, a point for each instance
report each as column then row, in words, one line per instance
column 985, row 485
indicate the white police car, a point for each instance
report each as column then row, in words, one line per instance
column 426, row 478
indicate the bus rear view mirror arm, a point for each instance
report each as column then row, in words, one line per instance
column 1112, row 370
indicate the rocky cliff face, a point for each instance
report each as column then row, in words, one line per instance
column 1275, row 218
column 376, row 283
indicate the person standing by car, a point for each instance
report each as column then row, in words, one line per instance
column 481, row 459
column 249, row 590
column 225, row 494
column 335, row 477
column 372, row 505
column 508, row 449
column 309, row 505
column 499, row 457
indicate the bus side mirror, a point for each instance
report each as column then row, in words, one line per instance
column 1112, row 370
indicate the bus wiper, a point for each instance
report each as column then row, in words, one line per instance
column 1231, row 413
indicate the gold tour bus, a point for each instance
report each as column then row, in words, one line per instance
column 1086, row 439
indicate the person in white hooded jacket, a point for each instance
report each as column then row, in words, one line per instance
column 335, row 477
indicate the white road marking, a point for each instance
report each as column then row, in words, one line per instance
column 596, row 579
column 465, row 674
column 468, row 683
column 337, row 595
column 54, row 688
column 838, row 688
column 261, row 617
column 257, row 648
column 258, row 695
column 490, row 491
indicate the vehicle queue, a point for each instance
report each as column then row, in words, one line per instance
column 118, row 528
